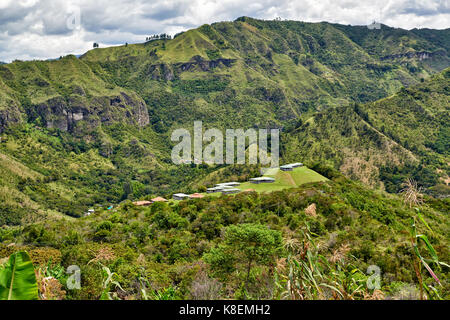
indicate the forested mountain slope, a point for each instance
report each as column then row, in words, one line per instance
column 384, row 141
column 81, row 131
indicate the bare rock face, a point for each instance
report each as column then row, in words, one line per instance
column 160, row 72
column 200, row 64
column 137, row 111
column 10, row 115
column 169, row 72
column 68, row 114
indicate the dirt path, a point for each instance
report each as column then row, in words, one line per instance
column 290, row 179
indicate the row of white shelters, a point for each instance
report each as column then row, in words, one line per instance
column 223, row 186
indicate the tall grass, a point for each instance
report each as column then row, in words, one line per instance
column 413, row 197
column 307, row 275
column 420, row 261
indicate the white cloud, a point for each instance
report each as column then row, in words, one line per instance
column 40, row 29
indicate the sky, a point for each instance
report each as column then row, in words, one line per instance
column 44, row 29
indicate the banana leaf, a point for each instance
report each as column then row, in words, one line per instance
column 17, row 278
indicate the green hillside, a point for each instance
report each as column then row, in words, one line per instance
column 383, row 142
column 285, row 180
column 262, row 72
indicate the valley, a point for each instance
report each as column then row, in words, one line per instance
column 366, row 111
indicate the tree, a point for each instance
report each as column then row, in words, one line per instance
column 95, row 45
column 127, row 190
column 245, row 246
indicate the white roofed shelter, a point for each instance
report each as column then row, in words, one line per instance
column 262, row 180
column 228, row 184
column 230, row 191
column 180, row 196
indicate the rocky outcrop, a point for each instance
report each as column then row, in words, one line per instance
column 198, row 63
column 66, row 114
column 160, row 71
column 9, row 115
column 169, row 72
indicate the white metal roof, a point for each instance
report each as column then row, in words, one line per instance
column 297, row 164
column 225, row 184
column 262, row 179
column 231, row 190
column 216, row 188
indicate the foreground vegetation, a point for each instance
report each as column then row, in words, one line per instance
column 319, row 241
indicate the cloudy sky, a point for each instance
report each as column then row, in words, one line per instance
column 42, row 29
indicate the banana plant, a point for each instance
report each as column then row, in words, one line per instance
column 420, row 260
column 17, row 278
column 109, row 280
